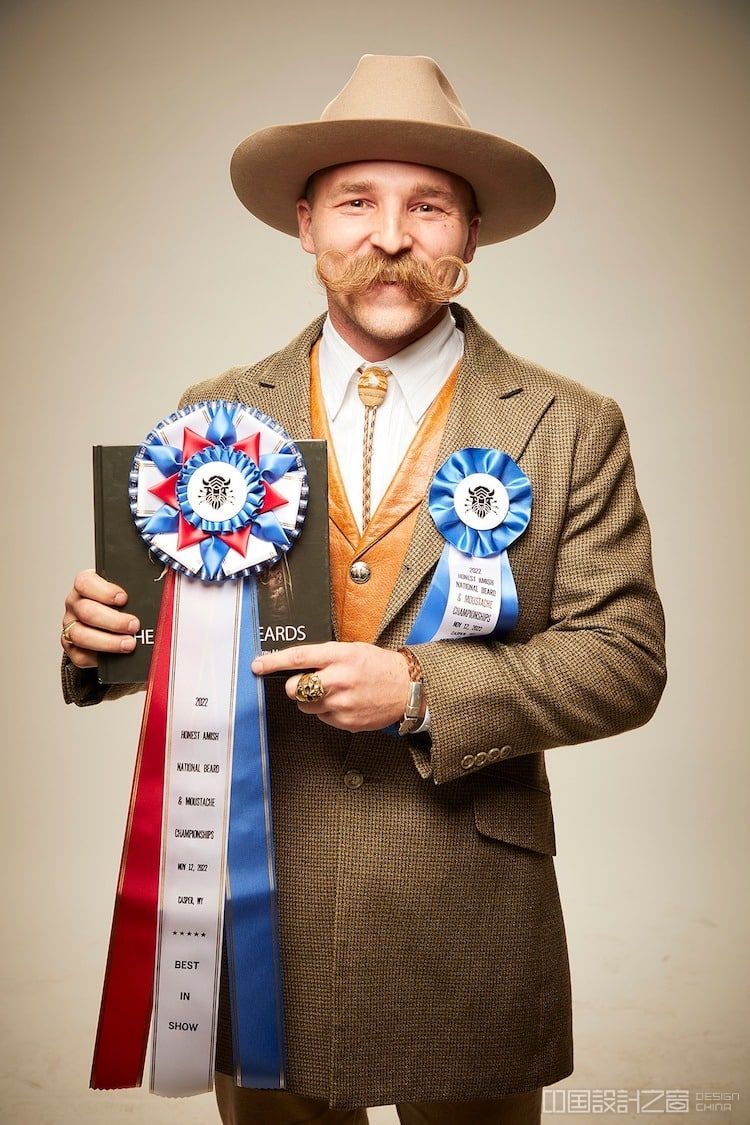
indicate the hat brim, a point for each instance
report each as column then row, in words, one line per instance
column 270, row 168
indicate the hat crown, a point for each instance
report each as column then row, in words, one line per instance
column 398, row 108
column 399, row 88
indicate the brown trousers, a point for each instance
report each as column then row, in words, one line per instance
column 239, row 1106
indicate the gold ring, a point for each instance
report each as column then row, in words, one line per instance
column 310, row 688
column 66, row 630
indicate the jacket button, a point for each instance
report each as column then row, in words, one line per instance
column 467, row 761
column 493, row 754
column 359, row 572
column 481, row 757
column 353, row 779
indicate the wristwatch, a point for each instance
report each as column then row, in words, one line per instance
column 413, row 718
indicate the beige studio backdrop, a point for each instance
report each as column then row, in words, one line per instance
column 131, row 270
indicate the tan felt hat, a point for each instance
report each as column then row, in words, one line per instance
column 394, row 107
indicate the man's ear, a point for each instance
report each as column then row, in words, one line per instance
column 471, row 241
column 304, row 222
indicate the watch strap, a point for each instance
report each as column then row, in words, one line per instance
column 412, row 719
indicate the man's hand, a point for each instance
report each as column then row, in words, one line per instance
column 90, row 622
column 366, row 687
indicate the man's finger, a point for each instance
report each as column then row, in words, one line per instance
column 89, row 584
column 312, row 709
column 102, row 617
column 300, row 656
column 98, row 640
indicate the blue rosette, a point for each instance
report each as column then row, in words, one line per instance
column 480, row 501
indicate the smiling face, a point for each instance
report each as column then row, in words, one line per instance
column 389, row 209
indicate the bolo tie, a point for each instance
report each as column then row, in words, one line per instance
column 372, row 386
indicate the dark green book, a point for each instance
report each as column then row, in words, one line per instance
column 294, row 595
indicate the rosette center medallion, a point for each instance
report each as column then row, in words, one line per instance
column 219, row 490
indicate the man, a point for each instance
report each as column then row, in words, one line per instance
column 424, row 958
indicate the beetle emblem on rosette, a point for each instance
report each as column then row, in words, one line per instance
column 480, row 500
column 218, row 490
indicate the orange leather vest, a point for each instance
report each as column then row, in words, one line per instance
column 359, row 607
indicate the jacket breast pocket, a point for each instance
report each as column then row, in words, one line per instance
column 515, row 813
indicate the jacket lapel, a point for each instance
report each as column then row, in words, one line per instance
column 491, row 408
column 280, row 385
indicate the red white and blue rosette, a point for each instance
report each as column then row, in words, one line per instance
column 218, row 492
column 480, row 501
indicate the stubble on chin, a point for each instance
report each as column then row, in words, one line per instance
column 384, row 323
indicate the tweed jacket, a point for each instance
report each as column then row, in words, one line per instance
column 423, row 946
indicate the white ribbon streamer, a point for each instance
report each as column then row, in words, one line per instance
column 196, row 816
column 474, row 597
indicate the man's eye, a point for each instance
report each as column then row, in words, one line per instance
column 359, row 203
column 425, row 208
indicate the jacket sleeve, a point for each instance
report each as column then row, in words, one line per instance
column 80, row 686
column 597, row 669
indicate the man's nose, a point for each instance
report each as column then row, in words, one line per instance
column 390, row 232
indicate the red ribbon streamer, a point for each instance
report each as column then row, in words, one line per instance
column 127, row 996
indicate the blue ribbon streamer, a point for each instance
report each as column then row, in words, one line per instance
column 433, row 607
column 251, row 916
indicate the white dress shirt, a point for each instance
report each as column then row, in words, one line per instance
column 419, row 372
column 418, row 375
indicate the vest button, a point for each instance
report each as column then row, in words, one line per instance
column 353, row 779
column 359, row 572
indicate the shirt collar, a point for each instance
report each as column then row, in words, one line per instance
column 420, row 369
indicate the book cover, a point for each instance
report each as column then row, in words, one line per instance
column 294, row 595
